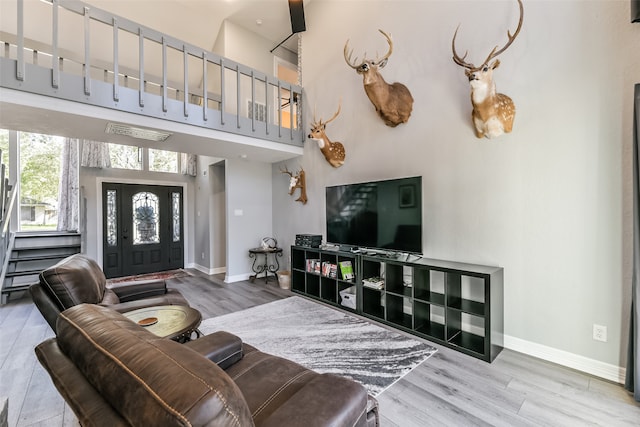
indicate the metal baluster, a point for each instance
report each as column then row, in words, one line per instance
column 116, row 79
column 87, row 60
column 55, row 63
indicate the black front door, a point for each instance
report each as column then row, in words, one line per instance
column 142, row 228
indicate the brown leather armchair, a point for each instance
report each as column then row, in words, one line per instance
column 79, row 279
column 112, row 372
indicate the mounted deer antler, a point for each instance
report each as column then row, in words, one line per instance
column 333, row 151
column 493, row 113
column 297, row 181
column 393, row 102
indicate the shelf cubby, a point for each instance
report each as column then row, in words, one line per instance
column 372, row 303
column 429, row 320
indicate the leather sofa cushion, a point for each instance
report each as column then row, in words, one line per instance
column 137, row 372
column 74, row 280
column 280, row 392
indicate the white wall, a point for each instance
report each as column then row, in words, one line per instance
column 550, row 202
column 249, row 219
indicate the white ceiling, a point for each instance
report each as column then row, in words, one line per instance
column 197, row 22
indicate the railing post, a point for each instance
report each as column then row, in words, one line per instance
column 253, row 102
column 186, row 80
column 87, row 58
column 55, row 62
column 20, row 52
column 164, row 74
column 204, row 86
column 238, row 95
column 280, row 111
column 116, row 73
column 222, row 92
column 266, row 106
column 141, row 83
column 290, row 113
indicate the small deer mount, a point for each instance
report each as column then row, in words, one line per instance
column 493, row 112
column 297, row 181
column 333, row 151
column 393, row 102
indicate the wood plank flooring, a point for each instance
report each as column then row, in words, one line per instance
column 449, row 389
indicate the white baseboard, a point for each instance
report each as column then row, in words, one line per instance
column 208, row 271
column 591, row 366
column 237, row 277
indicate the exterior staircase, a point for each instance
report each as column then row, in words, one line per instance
column 30, row 253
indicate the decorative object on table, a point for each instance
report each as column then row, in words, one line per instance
column 297, row 181
column 265, row 266
column 309, row 240
column 268, row 243
column 326, row 340
column 393, row 102
column 493, row 113
column 333, row 151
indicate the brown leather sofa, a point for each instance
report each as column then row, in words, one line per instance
column 112, row 372
column 79, row 279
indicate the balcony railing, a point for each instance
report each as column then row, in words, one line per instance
column 148, row 73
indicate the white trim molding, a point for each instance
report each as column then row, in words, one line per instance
column 570, row 360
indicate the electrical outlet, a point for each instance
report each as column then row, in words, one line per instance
column 202, row 256
column 599, row 333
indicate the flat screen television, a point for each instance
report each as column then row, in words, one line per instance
column 379, row 214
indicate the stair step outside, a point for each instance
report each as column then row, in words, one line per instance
column 46, row 239
column 16, row 259
column 22, row 273
column 17, row 288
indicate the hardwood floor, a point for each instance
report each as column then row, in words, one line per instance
column 449, row 389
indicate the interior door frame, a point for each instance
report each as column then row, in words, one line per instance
column 99, row 209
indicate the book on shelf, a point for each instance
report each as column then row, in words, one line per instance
column 346, row 270
column 329, row 269
column 333, row 273
column 373, row 283
column 313, row 265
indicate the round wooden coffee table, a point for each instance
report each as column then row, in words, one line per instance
column 176, row 322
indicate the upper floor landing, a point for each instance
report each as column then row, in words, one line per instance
column 144, row 77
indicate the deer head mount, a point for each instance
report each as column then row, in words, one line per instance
column 493, row 112
column 297, row 181
column 393, row 102
column 333, row 151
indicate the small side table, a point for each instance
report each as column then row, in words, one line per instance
column 176, row 322
column 264, row 266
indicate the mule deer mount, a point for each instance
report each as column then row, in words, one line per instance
column 393, row 102
column 297, row 181
column 333, row 151
column 493, row 113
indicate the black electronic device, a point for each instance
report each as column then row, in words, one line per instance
column 309, row 240
column 378, row 214
column 635, row 11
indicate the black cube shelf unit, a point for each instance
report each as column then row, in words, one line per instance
column 455, row 304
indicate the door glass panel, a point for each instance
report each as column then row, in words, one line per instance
column 175, row 213
column 112, row 223
column 146, row 218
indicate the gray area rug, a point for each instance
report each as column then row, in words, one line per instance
column 325, row 340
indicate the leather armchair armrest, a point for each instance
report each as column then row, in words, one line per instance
column 130, row 291
column 221, row 347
